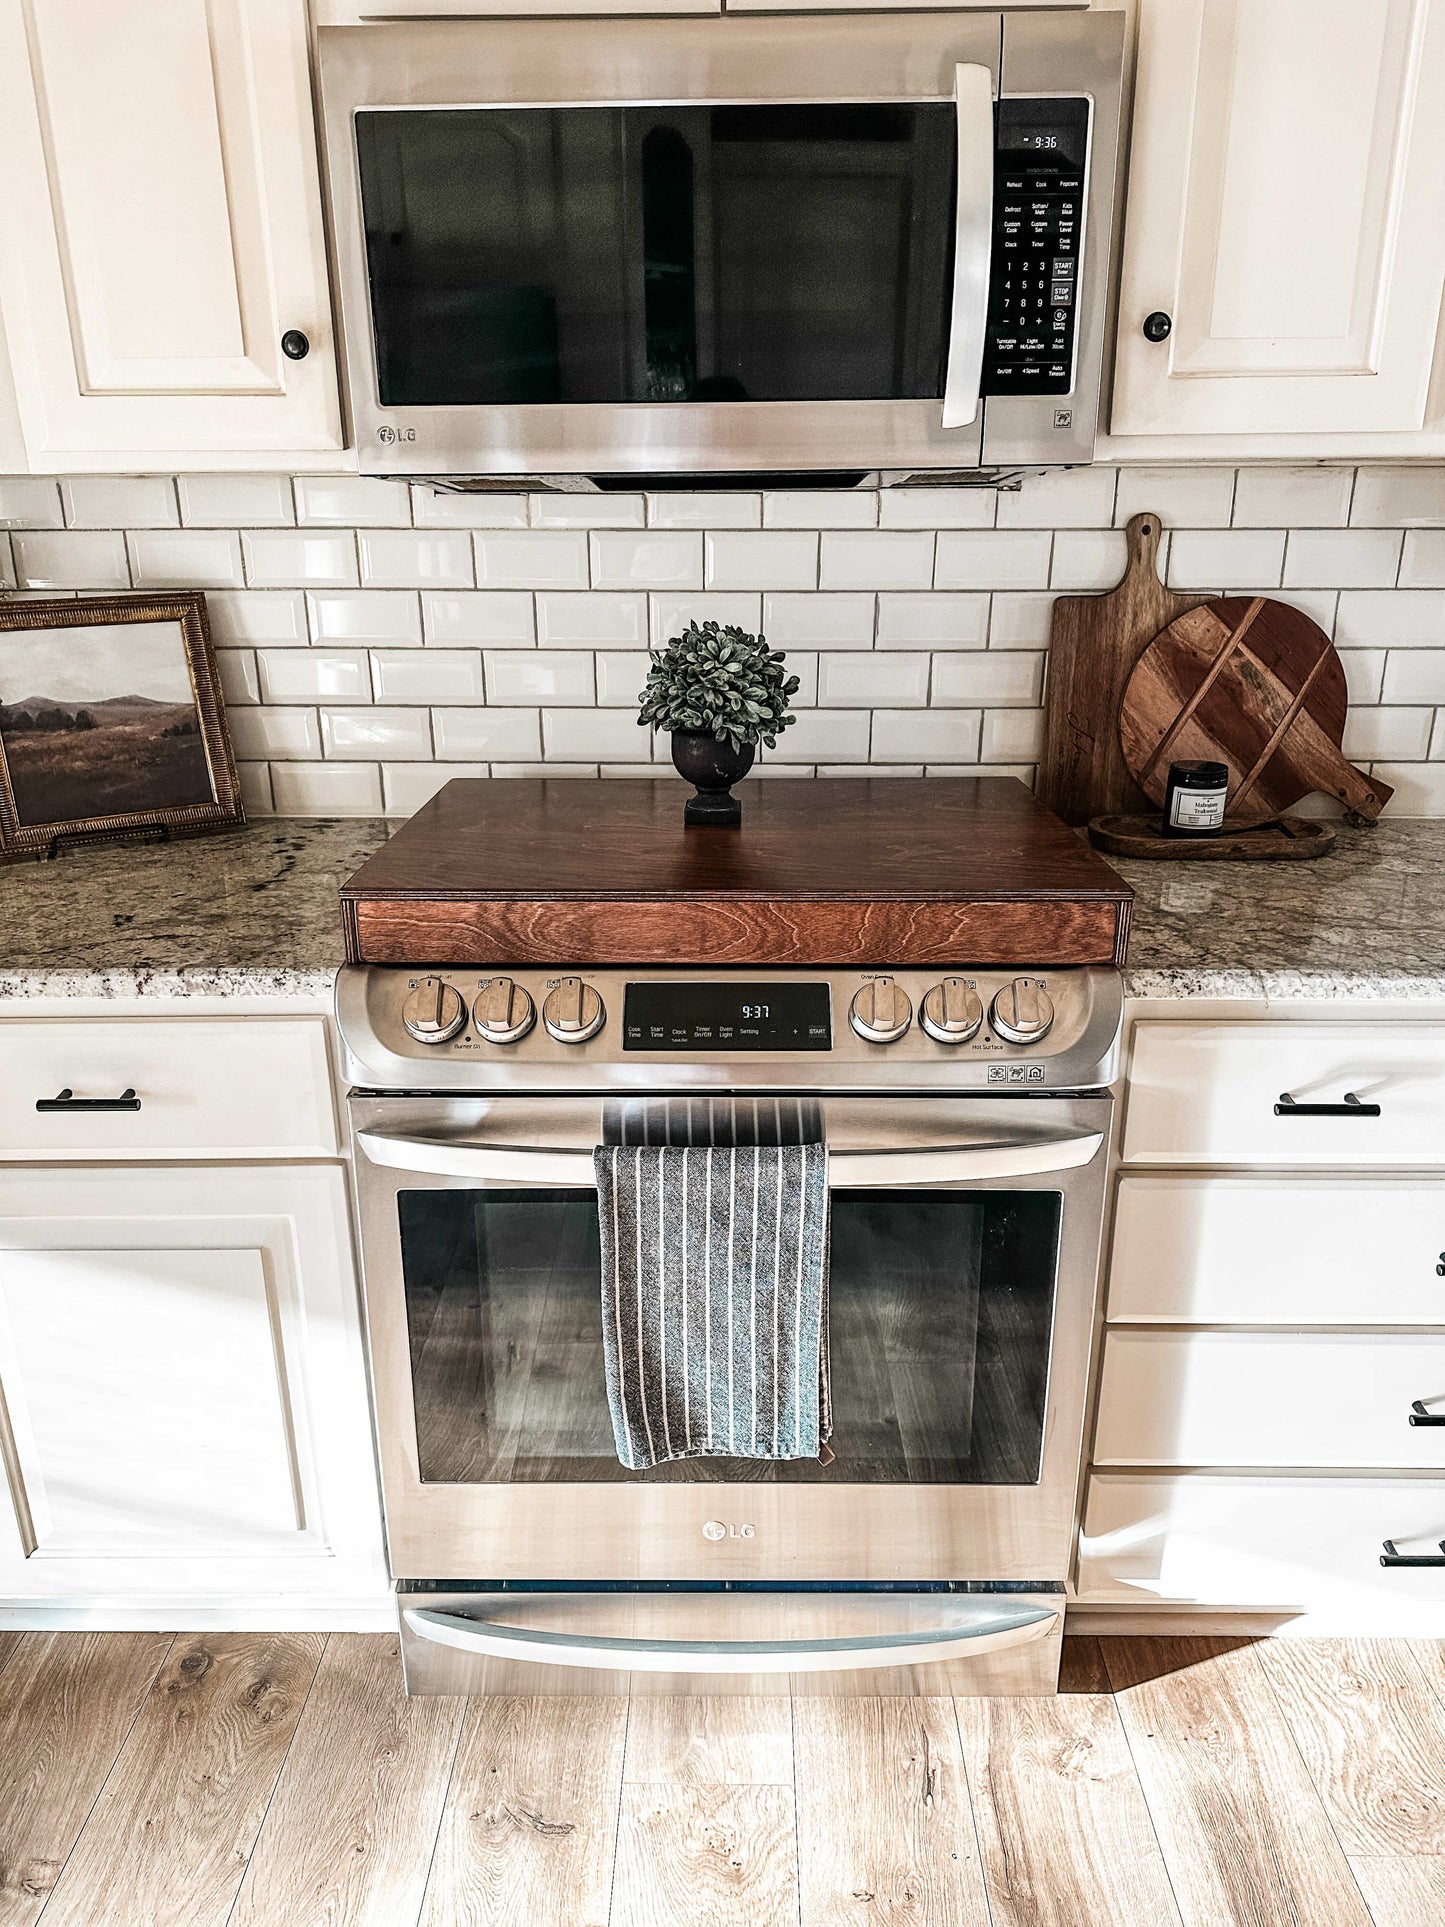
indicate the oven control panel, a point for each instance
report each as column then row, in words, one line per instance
column 444, row 1029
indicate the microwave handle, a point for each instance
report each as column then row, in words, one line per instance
column 847, row 1170
column 972, row 245
column 975, row 1628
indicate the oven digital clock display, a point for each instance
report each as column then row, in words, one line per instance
column 730, row 1017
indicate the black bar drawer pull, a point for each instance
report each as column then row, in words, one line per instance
column 1389, row 1557
column 1352, row 1107
column 1420, row 1416
column 66, row 1100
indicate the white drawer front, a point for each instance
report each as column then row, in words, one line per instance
column 1292, row 1544
column 1269, row 1399
column 243, row 1086
column 1205, row 1093
column 1278, row 1251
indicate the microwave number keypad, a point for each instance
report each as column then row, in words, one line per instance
column 1038, row 225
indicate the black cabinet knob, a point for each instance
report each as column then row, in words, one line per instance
column 294, row 345
column 1157, row 326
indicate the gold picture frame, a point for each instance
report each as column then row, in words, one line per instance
column 107, row 734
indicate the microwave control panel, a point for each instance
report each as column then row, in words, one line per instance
column 1038, row 227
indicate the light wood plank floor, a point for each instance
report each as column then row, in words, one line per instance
column 274, row 1780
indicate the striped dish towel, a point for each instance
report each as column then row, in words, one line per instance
column 715, row 1300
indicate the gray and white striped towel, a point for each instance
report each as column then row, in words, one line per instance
column 715, row 1300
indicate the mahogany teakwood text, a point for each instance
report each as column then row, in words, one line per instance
column 879, row 871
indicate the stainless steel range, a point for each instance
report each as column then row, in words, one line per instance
column 966, row 1116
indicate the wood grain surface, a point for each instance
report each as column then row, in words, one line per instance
column 1060, row 1813
column 1094, row 643
column 530, row 1824
column 9, row 1643
column 191, row 1785
column 728, row 1739
column 67, row 1702
column 1256, row 685
column 847, row 871
column 363, row 1784
column 707, row 1856
column 1402, row 1890
column 885, row 1831
column 1243, row 1831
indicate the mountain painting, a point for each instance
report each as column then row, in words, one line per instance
column 100, row 722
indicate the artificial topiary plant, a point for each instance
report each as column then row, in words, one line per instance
column 719, row 681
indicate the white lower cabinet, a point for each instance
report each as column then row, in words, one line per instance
column 183, row 1415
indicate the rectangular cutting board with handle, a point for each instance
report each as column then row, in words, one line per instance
column 1094, row 643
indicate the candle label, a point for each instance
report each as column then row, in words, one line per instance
column 1197, row 809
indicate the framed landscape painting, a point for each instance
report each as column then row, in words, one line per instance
column 111, row 722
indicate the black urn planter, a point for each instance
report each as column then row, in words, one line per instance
column 712, row 765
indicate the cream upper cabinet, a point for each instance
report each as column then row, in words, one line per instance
column 160, row 231
column 1286, row 211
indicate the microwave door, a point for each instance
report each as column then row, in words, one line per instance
column 973, row 239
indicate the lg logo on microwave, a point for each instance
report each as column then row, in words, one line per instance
column 715, row 1530
column 388, row 435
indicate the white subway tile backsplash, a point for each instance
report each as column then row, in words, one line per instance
column 352, row 501
column 971, row 681
column 877, row 559
column 517, row 771
column 1012, row 735
column 1364, row 673
column 236, row 501
column 1182, row 498
column 1422, row 564
column 72, row 559
column 1088, row 559
column 831, row 621
column 954, row 620
column 934, row 735
column 326, row 789
column 415, row 558
column 767, row 559
column 620, row 676
column 484, row 735
column 1419, row 787
column 1292, row 498
column 658, row 559
column 455, row 508
column 28, row 503
column 1399, row 498
column 7, row 562
column 858, row 681
column 594, row 617
column 292, row 735
column 593, row 735
column 1069, row 498
column 1210, row 558
column 377, row 735
column 669, row 615
column 1002, row 559
column 594, row 511
column 239, row 680
column 721, row 509
column 119, row 502
column 937, row 508
column 532, row 559
column 821, row 508
column 1020, row 621
column 1413, row 676
column 428, row 676
column 1403, row 735
column 257, row 615
column 1398, row 619
column 315, row 675
column 407, row 786
column 185, row 559
column 1341, row 558
column 821, row 736
column 391, row 617
column 254, row 781
column 292, row 558
column 519, row 676
column 481, row 615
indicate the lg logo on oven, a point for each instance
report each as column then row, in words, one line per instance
column 715, row 1530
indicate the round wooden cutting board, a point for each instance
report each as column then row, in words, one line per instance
column 1255, row 685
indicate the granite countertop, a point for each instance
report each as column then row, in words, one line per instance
column 253, row 912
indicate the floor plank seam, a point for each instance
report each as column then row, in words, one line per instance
column 424, row 1892
column 617, row 1823
column 141, row 1704
column 972, row 1810
column 797, row 1838
column 271, row 1796
column 1139, row 1780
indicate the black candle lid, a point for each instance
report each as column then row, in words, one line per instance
column 1199, row 776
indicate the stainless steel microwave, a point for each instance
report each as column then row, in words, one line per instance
column 863, row 246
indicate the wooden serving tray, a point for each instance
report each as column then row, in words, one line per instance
column 887, row 871
column 1291, row 839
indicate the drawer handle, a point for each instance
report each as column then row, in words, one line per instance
column 1352, row 1107
column 66, row 1100
column 1420, row 1416
column 1389, row 1557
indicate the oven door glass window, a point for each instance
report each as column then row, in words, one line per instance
column 653, row 254
column 941, row 1308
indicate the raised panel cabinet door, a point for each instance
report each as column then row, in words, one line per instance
column 1286, row 210
column 182, row 1395
column 160, row 230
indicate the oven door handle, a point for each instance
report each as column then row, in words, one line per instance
column 978, row 1626
column 847, row 1170
column 972, row 245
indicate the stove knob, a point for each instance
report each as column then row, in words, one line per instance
column 881, row 1012
column 1022, row 1012
column 573, row 1012
column 503, row 1012
column 951, row 1012
column 433, row 1011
